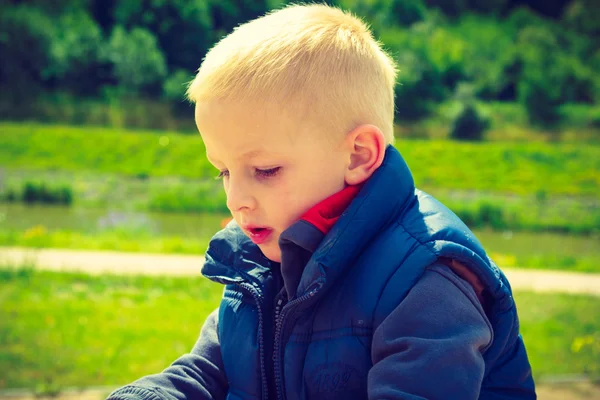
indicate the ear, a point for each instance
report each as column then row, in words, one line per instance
column 366, row 145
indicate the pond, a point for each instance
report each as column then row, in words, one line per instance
column 19, row 217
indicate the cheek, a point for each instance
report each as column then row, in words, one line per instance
column 286, row 202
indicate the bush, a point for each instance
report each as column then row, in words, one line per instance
column 39, row 192
column 485, row 215
column 208, row 197
column 469, row 124
column 542, row 107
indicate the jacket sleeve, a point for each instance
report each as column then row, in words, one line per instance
column 431, row 346
column 197, row 375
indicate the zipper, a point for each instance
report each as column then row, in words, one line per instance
column 280, row 319
column 252, row 288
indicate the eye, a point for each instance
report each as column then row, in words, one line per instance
column 267, row 173
column 222, row 174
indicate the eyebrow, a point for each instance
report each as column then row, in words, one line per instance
column 247, row 155
column 252, row 153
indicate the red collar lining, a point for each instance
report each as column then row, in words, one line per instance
column 325, row 214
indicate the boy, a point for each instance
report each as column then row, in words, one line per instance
column 342, row 281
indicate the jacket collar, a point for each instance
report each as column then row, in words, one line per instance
column 232, row 257
column 380, row 201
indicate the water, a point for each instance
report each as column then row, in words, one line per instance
column 19, row 217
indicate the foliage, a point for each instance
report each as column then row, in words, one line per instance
column 38, row 192
column 583, row 16
column 469, row 124
column 76, row 52
column 137, row 61
column 420, row 81
column 205, row 197
column 149, row 48
column 25, row 37
column 175, row 85
column 489, row 57
column 419, row 86
column 34, row 192
column 406, row 12
column 543, row 72
column 455, row 8
column 183, row 27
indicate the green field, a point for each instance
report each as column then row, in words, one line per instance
column 521, row 168
column 59, row 329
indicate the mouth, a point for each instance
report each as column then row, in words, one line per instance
column 258, row 234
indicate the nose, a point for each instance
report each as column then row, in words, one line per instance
column 239, row 195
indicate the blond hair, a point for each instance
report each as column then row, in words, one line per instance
column 312, row 59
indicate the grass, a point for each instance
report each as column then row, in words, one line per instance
column 61, row 330
column 514, row 167
column 39, row 236
column 66, row 329
column 561, row 333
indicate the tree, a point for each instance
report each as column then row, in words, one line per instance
column 227, row 14
column 543, row 74
column 406, row 12
column 183, row 28
column 76, row 53
column 25, row 38
column 136, row 60
column 419, row 86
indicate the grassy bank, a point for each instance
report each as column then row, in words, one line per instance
column 38, row 237
column 60, row 329
column 479, row 209
column 522, row 168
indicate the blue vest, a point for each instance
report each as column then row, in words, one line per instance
column 361, row 271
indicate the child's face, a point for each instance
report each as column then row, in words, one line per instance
column 274, row 166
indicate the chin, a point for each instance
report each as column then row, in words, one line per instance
column 272, row 254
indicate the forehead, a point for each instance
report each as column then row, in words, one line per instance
column 236, row 129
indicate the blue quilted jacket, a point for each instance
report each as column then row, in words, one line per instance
column 373, row 313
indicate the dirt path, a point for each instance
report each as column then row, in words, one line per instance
column 97, row 262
